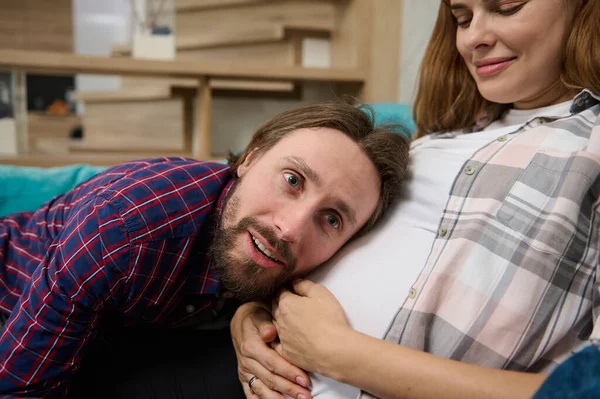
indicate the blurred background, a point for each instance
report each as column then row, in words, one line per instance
column 274, row 54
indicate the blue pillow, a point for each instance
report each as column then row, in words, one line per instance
column 26, row 188
column 396, row 114
column 578, row 377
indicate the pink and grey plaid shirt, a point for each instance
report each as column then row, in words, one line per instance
column 513, row 278
column 132, row 240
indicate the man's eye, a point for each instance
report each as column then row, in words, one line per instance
column 292, row 179
column 333, row 221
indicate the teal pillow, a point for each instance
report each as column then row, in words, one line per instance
column 395, row 114
column 26, row 188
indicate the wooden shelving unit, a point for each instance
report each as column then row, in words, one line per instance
column 197, row 133
column 63, row 63
column 251, row 48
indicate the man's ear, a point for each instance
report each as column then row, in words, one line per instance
column 244, row 166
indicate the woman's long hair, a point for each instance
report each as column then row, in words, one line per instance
column 447, row 96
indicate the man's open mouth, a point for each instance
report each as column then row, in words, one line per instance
column 263, row 250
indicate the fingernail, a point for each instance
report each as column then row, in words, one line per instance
column 301, row 396
column 301, row 381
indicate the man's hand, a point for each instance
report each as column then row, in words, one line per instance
column 252, row 330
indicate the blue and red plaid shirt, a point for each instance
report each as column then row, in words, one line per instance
column 133, row 239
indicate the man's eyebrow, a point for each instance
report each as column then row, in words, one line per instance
column 303, row 168
column 307, row 171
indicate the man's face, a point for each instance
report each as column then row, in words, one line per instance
column 293, row 207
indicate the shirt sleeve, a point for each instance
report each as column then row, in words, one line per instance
column 57, row 314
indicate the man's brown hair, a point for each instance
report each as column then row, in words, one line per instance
column 387, row 150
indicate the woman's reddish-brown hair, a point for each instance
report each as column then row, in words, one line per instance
column 447, row 96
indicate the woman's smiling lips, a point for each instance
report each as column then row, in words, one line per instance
column 491, row 66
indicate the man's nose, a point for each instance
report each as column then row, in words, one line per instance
column 292, row 222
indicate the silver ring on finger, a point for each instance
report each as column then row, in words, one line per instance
column 252, row 381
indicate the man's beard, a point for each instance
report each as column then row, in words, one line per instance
column 243, row 277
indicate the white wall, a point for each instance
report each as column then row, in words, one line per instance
column 96, row 26
column 417, row 21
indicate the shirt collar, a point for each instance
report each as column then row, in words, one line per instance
column 203, row 281
column 223, row 197
column 584, row 100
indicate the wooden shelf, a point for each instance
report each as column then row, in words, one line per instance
column 163, row 91
column 147, row 94
column 222, row 52
column 51, row 63
column 47, row 161
column 192, row 5
column 79, row 147
column 251, row 85
column 224, row 38
column 49, row 133
column 241, row 36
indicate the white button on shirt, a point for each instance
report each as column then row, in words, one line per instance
column 412, row 294
column 190, row 308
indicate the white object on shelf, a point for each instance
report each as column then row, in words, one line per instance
column 147, row 45
column 153, row 29
column 316, row 53
column 8, row 136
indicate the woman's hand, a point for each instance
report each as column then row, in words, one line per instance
column 309, row 321
column 251, row 332
column 315, row 335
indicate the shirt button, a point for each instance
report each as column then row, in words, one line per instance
column 412, row 294
column 502, row 138
column 470, row 170
column 442, row 231
column 190, row 308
